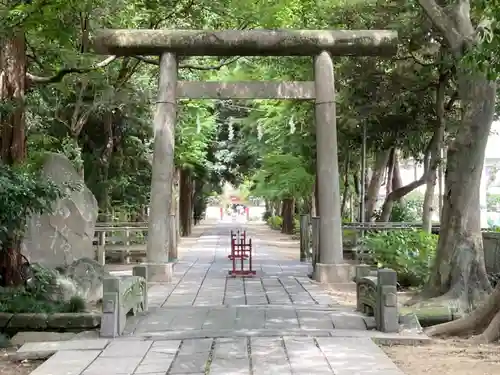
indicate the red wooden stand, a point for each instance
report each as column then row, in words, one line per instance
column 241, row 250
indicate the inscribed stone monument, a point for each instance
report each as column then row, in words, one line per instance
column 61, row 237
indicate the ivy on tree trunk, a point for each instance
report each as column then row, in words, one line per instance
column 12, row 133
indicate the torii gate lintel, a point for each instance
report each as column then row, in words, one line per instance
column 321, row 44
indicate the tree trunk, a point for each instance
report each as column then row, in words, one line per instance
column 185, row 201
column 12, row 92
column 379, row 166
column 316, row 197
column 198, row 201
column 345, row 192
column 459, row 270
column 435, row 154
column 397, row 181
column 427, row 206
column 287, row 215
column 390, row 172
column 104, row 161
column 396, row 195
column 174, row 220
column 12, row 134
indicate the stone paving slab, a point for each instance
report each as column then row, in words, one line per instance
column 205, row 322
column 94, row 344
column 67, row 362
column 244, row 318
column 242, row 355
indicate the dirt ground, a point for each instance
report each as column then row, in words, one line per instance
column 453, row 356
column 456, row 357
column 15, row 368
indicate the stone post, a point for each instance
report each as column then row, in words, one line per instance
column 162, row 171
column 112, row 324
column 304, row 237
column 330, row 269
column 387, row 318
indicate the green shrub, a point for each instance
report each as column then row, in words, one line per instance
column 37, row 296
column 266, row 215
column 296, row 225
column 408, row 252
column 20, row 300
column 275, row 222
column 408, row 211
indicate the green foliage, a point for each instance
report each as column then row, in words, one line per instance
column 275, row 222
column 266, row 215
column 493, row 228
column 38, row 296
column 22, row 194
column 493, row 202
column 409, row 211
column 20, row 300
column 296, row 225
column 408, row 252
column 283, row 176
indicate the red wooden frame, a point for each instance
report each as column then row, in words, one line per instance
column 241, row 250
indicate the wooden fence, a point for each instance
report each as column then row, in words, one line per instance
column 128, row 240
column 124, row 239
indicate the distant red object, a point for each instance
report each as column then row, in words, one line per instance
column 241, row 250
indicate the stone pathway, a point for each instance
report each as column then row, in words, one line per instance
column 278, row 322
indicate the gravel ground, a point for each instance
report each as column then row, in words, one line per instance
column 8, row 367
column 454, row 357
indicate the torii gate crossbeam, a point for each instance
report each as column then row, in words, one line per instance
column 320, row 44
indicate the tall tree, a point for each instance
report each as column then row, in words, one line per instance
column 459, row 272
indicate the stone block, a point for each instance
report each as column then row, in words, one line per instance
column 361, row 271
column 98, row 344
column 4, row 320
column 121, row 296
column 66, row 234
column 386, row 276
column 126, row 348
column 21, row 338
column 27, row 321
column 71, row 362
column 111, row 366
column 333, row 273
column 43, row 350
column 74, row 321
column 159, row 272
column 387, row 315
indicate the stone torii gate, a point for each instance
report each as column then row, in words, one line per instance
column 170, row 44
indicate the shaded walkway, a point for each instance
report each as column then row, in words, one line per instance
column 279, row 322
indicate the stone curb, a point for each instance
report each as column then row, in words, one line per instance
column 74, row 322
column 43, row 350
column 380, row 338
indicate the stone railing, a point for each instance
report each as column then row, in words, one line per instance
column 376, row 292
column 123, row 296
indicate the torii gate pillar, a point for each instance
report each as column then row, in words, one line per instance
column 330, row 267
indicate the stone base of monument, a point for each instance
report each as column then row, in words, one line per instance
column 333, row 273
column 159, row 272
